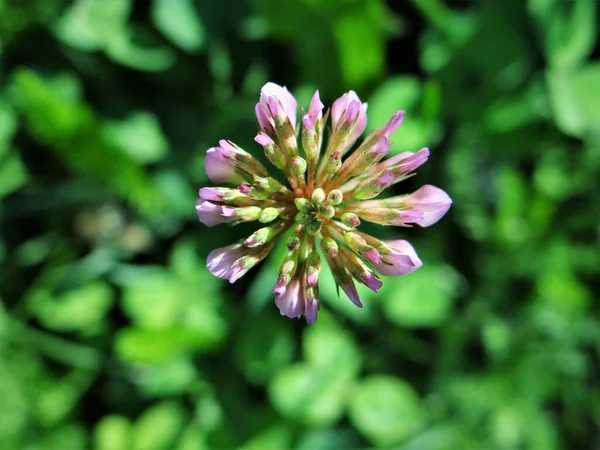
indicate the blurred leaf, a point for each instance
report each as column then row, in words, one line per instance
column 569, row 30
column 192, row 438
column 315, row 396
column 179, row 21
column 360, row 43
column 265, row 347
column 67, row 126
column 124, row 51
column 13, row 173
column 158, row 427
column 91, row 24
column 385, row 409
column 103, row 25
column 8, row 126
column 422, row 298
column 56, row 399
column 135, row 345
column 15, row 407
column 575, row 99
column 275, row 437
column 140, row 136
column 327, row 439
column 82, row 309
column 418, row 129
column 171, row 377
column 113, row 432
column 330, row 346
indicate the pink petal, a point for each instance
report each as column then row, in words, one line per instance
column 311, row 310
column 291, row 302
column 433, row 201
column 316, row 106
column 393, row 124
column 211, row 214
column 218, row 168
column 209, row 193
column 287, row 100
column 401, row 261
column 221, row 260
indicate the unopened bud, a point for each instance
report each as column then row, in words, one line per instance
column 298, row 165
column 304, row 205
column 256, row 193
column 293, row 243
column 248, row 213
column 327, row 211
column 374, row 187
column 335, row 197
column 260, row 237
column 330, row 246
column 309, row 143
column 334, row 163
column 350, row 220
column 268, row 215
column 304, row 218
column 314, row 227
column 313, row 267
column 318, row 196
column 267, row 184
column 356, row 242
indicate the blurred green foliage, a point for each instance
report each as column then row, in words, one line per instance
column 113, row 334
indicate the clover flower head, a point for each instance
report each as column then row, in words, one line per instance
column 330, row 190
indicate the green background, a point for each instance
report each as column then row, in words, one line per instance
column 114, row 335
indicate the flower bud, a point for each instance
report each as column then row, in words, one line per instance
column 305, row 218
column 298, row 165
column 304, row 205
column 327, row 211
column 350, row 220
column 293, row 243
column 335, row 197
column 374, row 187
column 260, row 237
column 268, row 215
column 314, row 227
column 318, row 196
column 334, row 163
column 248, row 213
column 330, row 246
column 272, row 151
column 267, row 184
column 313, row 267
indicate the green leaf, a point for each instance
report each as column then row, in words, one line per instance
column 329, row 346
column 158, row 427
column 419, row 127
column 13, row 173
column 315, row 396
column 422, row 298
column 276, row 437
column 66, row 125
column 180, row 22
column 575, row 99
column 265, row 347
column 361, row 44
column 113, row 433
column 139, row 136
column 8, row 126
column 385, row 409
column 170, row 377
column 82, row 309
column 570, row 31
column 91, row 24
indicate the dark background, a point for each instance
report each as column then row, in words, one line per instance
column 114, row 335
